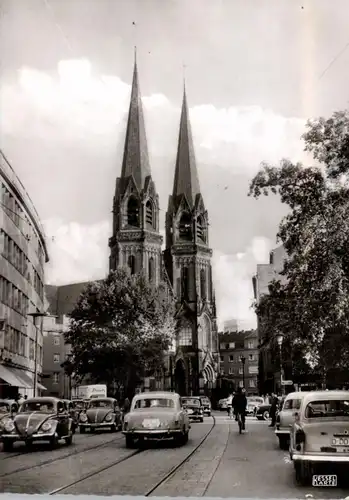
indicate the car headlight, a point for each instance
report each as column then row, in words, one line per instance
column 46, row 426
column 83, row 417
column 9, row 426
column 3, row 422
column 108, row 418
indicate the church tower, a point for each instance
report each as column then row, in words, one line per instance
column 136, row 241
column 188, row 264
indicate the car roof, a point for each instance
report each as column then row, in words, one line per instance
column 156, row 394
column 43, row 399
column 325, row 395
column 102, row 399
column 296, row 395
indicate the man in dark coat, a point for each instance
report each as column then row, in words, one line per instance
column 239, row 404
column 273, row 409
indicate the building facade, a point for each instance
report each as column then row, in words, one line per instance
column 56, row 351
column 269, row 374
column 239, row 359
column 23, row 255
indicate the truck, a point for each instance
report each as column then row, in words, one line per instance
column 89, row 391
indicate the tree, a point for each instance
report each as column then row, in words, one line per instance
column 120, row 330
column 313, row 305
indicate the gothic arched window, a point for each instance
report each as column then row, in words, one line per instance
column 185, row 334
column 203, row 284
column 132, row 264
column 185, row 227
column 185, row 283
column 133, row 212
column 151, row 269
column 200, row 229
column 205, row 334
column 149, row 214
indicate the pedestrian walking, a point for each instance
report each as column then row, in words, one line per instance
column 273, row 409
column 239, row 404
column 230, row 405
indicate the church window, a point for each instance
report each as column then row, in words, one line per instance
column 149, row 214
column 151, row 269
column 200, row 228
column 133, row 212
column 132, row 264
column 203, row 284
column 185, row 337
column 185, row 283
column 185, row 227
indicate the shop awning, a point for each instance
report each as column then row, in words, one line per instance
column 10, row 377
column 41, row 387
column 27, row 382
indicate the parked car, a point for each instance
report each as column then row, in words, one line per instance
column 101, row 413
column 156, row 415
column 223, row 404
column 76, row 407
column 262, row 412
column 38, row 419
column 319, row 436
column 206, row 405
column 253, row 402
column 285, row 417
column 193, row 407
column 7, row 408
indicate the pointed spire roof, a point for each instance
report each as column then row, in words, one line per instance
column 186, row 180
column 136, row 158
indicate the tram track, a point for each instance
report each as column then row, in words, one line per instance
column 129, row 457
column 56, row 459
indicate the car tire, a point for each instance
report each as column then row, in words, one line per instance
column 302, row 473
column 130, row 443
column 266, row 415
column 113, row 428
column 82, row 430
column 7, row 445
column 209, row 414
column 54, row 442
column 201, row 420
column 283, row 443
column 69, row 440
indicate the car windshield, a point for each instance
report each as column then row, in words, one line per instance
column 327, row 408
column 4, row 407
column 42, row 406
column 190, row 401
column 153, row 403
column 100, row 403
column 292, row 404
column 79, row 405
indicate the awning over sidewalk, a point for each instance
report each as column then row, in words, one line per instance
column 10, row 377
column 41, row 387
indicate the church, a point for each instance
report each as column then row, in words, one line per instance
column 185, row 264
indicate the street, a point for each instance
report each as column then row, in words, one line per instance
column 226, row 464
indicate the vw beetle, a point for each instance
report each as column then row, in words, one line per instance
column 319, row 437
column 156, row 415
column 101, row 413
column 38, row 419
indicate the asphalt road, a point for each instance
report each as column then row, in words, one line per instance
column 225, row 465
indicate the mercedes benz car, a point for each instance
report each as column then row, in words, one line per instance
column 156, row 415
column 101, row 413
column 38, row 419
column 194, row 408
column 286, row 416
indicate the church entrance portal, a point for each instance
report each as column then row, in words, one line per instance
column 180, row 385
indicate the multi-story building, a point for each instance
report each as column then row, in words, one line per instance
column 56, row 351
column 239, row 359
column 269, row 377
column 23, row 255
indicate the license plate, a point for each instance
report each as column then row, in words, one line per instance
column 340, row 441
column 151, row 423
column 327, row 480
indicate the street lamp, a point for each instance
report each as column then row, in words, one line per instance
column 243, row 361
column 279, row 340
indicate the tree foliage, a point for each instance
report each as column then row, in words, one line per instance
column 120, row 329
column 312, row 305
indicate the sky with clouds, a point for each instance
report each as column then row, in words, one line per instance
column 255, row 71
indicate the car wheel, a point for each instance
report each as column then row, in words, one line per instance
column 82, row 430
column 266, row 415
column 283, row 443
column 130, row 442
column 7, row 445
column 113, row 428
column 209, row 414
column 69, row 440
column 201, row 419
column 302, row 474
column 54, row 442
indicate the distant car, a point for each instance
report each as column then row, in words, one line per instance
column 38, row 419
column 253, row 402
column 206, row 405
column 319, row 436
column 156, row 415
column 286, row 416
column 7, row 409
column 262, row 412
column 101, row 413
column 194, row 408
column 223, row 404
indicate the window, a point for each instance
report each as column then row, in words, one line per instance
column 252, row 382
column 203, row 283
column 222, row 359
column 231, row 358
column 56, row 378
column 241, row 371
column 149, row 214
column 232, row 345
column 31, row 349
column 151, row 269
column 200, row 229
column 185, row 337
column 185, row 227
column 56, row 340
column 252, row 357
column 241, row 383
column 292, row 404
column 222, row 371
column 133, row 212
column 56, row 358
column 231, row 371
column 185, row 279
column 253, row 369
column 132, row 264
column 250, row 344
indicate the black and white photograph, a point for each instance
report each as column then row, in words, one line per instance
column 174, row 248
